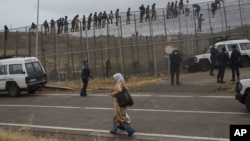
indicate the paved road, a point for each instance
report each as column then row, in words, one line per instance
column 193, row 111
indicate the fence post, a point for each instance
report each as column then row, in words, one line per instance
column 164, row 19
column 120, row 45
column 222, row 23
column 136, row 39
column 241, row 21
column 117, row 59
column 225, row 15
column 195, row 31
column 81, row 44
column 17, row 43
column 132, row 53
column 73, row 62
column 68, row 47
column 152, row 39
column 209, row 17
column 103, row 71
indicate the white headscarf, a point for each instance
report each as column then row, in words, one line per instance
column 118, row 77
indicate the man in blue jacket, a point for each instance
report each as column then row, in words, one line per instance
column 85, row 77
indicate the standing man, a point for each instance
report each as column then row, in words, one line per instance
column 214, row 52
column 175, row 61
column 128, row 16
column 117, row 16
column 89, row 21
column 200, row 19
column 153, row 12
column 6, row 31
column 142, row 12
column 223, row 59
column 235, row 61
column 85, row 77
column 108, row 67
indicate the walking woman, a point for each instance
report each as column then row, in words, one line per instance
column 121, row 118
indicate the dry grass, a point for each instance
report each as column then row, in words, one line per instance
column 10, row 135
column 133, row 83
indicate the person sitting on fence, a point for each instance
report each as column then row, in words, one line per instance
column 128, row 16
column 99, row 20
column 83, row 22
column 181, row 7
column 172, row 10
column 111, row 17
column 117, row 16
column 214, row 8
column 175, row 10
column 46, row 27
column 33, row 27
column 89, row 21
column 153, row 12
column 52, row 26
column 197, row 10
column 76, row 23
column 168, row 9
column 218, row 2
column 104, row 19
column 187, row 8
column 59, row 24
column 142, row 12
column 95, row 20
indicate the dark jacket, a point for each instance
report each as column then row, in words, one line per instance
column 214, row 52
column 223, row 58
column 235, row 57
column 85, row 72
column 175, row 58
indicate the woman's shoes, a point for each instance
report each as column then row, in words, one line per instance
column 131, row 133
column 112, row 132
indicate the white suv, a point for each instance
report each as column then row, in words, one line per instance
column 21, row 74
column 202, row 62
column 243, row 92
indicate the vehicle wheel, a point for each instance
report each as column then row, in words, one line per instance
column 245, row 62
column 204, row 65
column 31, row 91
column 13, row 89
column 247, row 100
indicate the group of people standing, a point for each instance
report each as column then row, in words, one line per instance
column 223, row 61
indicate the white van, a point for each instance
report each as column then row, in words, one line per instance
column 203, row 61
column 21, row 74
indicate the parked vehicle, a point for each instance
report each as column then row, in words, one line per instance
column 202, row 62
column 21, row 74
column 243, row 92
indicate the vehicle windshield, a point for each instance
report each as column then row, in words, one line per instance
column 245, row 46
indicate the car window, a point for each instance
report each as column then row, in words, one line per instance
column 29, row 67
column 245, row 46
column 37, row 66
column 3, row 69
column 219, row 47
column 229, row 46
column 16, row 69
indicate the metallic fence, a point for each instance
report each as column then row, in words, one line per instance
column 132, row 49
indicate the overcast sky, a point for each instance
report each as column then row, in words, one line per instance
column 21, row 13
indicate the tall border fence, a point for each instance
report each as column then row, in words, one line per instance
column 132, row 49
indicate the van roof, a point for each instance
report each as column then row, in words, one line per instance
column 18, row 60
column 233, row 41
